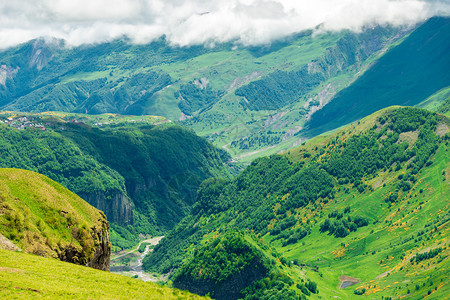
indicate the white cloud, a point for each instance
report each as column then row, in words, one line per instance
column 248, row 22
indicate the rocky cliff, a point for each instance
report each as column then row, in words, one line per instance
column 95, row 250
column 115, row 204
column 102, row 255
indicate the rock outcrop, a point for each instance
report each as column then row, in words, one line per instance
column 95, row 251
column 102, row 254
column 115, row 204
column 6, row 244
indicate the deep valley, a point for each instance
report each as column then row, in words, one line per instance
column 313, row 166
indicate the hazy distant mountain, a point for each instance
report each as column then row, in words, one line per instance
column 405, row 75
column 244, row 99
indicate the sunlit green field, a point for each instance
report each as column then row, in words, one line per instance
column 25, row 276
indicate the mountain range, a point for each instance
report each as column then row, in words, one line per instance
column 245, row 99
column 315, row 167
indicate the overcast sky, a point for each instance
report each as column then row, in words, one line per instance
column 187, row 22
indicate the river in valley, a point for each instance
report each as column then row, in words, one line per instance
column 129, row 263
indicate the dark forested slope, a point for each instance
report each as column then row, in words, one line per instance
column 143, row 177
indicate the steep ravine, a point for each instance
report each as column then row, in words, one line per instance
column 142, row 177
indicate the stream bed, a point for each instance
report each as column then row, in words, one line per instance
column 129, row 263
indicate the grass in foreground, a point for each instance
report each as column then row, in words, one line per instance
column 27, row 276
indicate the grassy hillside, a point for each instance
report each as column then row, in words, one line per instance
column 358, row 206
column 262, row 109
column 214, row 91
column 405, row 75
column 438, row 102
column 106, row 119
column 143, row 177
column 25, row 276
column 42, row 217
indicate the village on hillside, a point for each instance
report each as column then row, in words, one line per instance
column 23, row 122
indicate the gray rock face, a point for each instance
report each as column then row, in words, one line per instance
column 42, row 52
column 115, row 204
column 7, row 72
column 6, row 244
column 102, row 254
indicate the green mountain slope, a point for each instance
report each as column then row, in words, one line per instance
column 42, row 217
column 238, row 265
column 438, row 102
column 245, row 99
column 143, row 177
column 358, row 207
column 405, row 75
column 25, row 276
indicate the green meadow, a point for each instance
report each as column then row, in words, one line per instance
column 25, row 276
